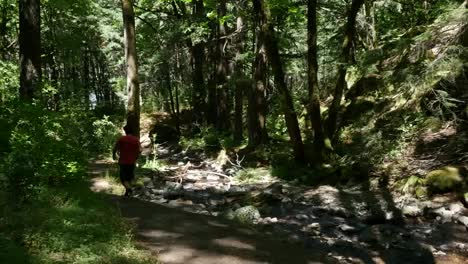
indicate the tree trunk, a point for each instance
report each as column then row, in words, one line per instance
column 86, row 79
column 167, row 82
column 314, row 100
column 272, row 51
column 257, row 101
column 346, row 58
column 370, row 20
column 241, row 86
column 177, row 105
column 30, row 48
column 222, row 70
column 133, row 86
column 212, row 106
column 199, row 93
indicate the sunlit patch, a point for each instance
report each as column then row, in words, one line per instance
column 159, row 234
column 233, row 243
column 216, row 224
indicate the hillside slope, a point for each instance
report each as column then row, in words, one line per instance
column 409, row 107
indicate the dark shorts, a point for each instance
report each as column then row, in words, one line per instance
column 127, row 172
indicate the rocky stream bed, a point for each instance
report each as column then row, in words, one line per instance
column 355, row 222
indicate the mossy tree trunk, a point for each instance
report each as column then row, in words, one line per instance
column 314, row 100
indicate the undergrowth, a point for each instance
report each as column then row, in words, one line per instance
column 66, row 225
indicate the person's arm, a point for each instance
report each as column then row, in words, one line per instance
column 140, row 149
column 115, row 150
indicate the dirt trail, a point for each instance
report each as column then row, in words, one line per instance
column 179, row 237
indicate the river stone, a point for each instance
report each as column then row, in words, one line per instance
column 456, row 208
column 212, row 178
column 463, row 220
column 247, row 214
column 412, row 210
column 444, row 214
column 443, row 180
column 146, row 180
column 229, row 214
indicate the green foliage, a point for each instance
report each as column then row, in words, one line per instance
column 105, row 134
column 69, row 224
column 9, row 81
column 412, row 185
column 49, row 148
column 253, row 175
column 208, row 137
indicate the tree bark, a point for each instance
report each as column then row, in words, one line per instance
column 180, row 75
column 241, row 86
column 274, row 59
column 199, row 93
column 314, row 100
column 257, row 101
column 30, row 48
column 346, row 58
column 133, row 86
column 370, row 20
column 222, row 70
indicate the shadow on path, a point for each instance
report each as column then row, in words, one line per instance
column 180, row 237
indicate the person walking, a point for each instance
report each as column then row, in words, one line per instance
column 128, row 148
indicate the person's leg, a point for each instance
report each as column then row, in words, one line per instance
column 129, row 179
column 125, row 176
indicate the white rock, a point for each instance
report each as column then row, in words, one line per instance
column 212, row 178
column 412, row 210
column 463, row 220
column 456, row 208
column 302, row 217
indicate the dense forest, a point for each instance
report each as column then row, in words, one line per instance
column 265, row 112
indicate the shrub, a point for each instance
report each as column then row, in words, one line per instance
column 42, row 147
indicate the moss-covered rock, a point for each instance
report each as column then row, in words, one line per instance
column 421, row 192
column 443, row 180
column 247, row 215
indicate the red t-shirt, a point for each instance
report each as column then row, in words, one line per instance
column 129, row 148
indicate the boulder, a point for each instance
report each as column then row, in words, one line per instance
column 247, row 214
column 444, row 180
column 412, row 210
column 463, row 220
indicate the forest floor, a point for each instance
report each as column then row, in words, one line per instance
column 181, row 214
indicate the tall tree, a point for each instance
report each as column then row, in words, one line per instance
column 272, row 51
column 222, row 69
column 346, row 59
column 314, row 100
column 133, row 86
column 242, row 85
column 198, row 55
column 30, row 47
column 257, row 101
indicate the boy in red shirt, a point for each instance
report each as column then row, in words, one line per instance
column 128, row 147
